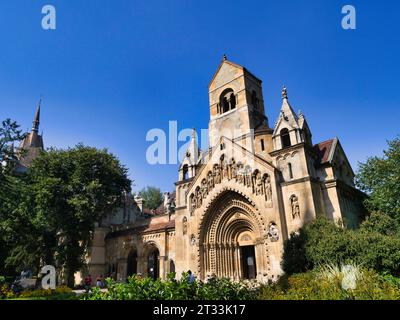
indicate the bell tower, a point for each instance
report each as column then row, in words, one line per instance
column 236, row 105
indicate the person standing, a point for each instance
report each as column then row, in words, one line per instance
column 192, row 277
column 88, row 283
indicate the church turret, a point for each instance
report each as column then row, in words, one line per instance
column 36, row 120
column 32, row 144
column 290, row 128
column 189, row 164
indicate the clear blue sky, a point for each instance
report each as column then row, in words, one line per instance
column 115, row 69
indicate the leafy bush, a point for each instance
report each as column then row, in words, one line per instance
column 374, row 245
column 5, row 292
column 328, row 283
column 60, row 293
column 171, row 289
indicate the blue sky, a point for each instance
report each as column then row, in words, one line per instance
column 112, row 70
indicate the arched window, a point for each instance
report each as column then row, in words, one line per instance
column 232, row 101
column 131, row 263
column 227, row 101
column 290, row 171
column 185, row 172
column 285, row 138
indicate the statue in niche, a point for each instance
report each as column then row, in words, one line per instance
column 199, row 197
column 210, row 181
column 226, row 171
column 273, row 232
column 258, row 183
column 233, row 169
column 268, row 188
column 217, row 174
column 294, row 202
column 192, row 202
column 204, row 188
column 184, row 225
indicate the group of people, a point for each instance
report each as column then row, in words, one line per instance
column 100, row 282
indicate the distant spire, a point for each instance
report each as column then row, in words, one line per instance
column 284, row 93
column 224, row 57
column 36, row 120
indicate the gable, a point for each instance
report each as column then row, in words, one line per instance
column 232, row 153
column 226, row 72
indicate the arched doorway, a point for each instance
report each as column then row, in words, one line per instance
column 231, row 242
column 132, row 263
column 153, row 262
column 248, row 261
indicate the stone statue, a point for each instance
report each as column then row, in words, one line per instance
column 294, row 201
column 233, row 169
column 217, row 174
column 204, row 188
column 194, row 203
column 192, row 240
column 268, row 188
column 273, row 232
column 210, row 181
column 258, row 184
column 199, row 197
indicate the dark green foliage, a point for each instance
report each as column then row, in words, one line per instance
column 9, row 186
column 294, row 255
column 374, row 245
column 152, row 197
column 171, row 289
column 380, row 178
column 63, row 195
column 322, row 285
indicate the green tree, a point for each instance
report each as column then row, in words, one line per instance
column 374, row 245
column 379, row 177
column 10, row 134
column 69, row 191
column 152, row 197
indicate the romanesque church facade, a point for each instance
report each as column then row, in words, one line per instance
column 236, row 203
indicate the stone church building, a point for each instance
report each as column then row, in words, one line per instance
column 236, row 203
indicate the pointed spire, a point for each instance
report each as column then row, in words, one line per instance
column 284, row 93
column 36, row 120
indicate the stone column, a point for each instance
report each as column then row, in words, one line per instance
column 161, row 263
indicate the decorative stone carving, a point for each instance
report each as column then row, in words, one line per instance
column 210, row 180
column 273, row 232
column 204, row 188
column 259, row 183
column 268, row 188
column 294, row 202
column 245, row 237
column 184, row 225
column 192, row 240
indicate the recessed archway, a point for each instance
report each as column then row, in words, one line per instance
column 231, row 236
column 132, row 260
column 152, row 256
